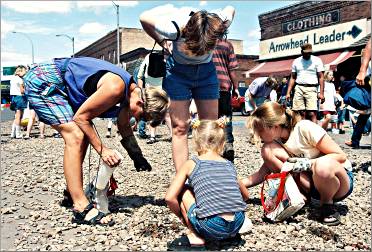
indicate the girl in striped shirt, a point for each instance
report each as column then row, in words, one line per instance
column 212, row 205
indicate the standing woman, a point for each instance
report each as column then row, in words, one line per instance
column 68, row 93
column 18, row 102
column 190, row 70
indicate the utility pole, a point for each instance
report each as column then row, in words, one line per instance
column 73, row 42
column 117, row 34
column 32, row 44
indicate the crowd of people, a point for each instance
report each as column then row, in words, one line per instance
column 205, row 193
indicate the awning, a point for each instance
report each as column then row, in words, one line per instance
column 283, row 67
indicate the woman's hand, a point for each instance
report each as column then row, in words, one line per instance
column 110, row 157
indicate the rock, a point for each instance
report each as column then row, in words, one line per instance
column 290, row 229
column 41, row 179
column 143, row 221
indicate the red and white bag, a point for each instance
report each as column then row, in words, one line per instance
column 281, row 198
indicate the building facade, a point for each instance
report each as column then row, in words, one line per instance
column 135, row 44
column 130, row 39
column 338, row 31
column 134, row 58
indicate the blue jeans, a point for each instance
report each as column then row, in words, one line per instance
column 341, row 115
column 215, row 227
column 142, row 128
column 359, row 129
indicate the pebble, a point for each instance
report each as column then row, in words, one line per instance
column 143, row 221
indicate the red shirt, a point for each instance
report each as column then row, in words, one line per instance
column 225, row 60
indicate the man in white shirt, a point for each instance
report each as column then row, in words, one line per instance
column 307, row 74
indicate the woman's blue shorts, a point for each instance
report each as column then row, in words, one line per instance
column 183, row 82
column 18, row 102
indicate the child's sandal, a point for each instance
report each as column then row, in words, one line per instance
column 79, row 217
column 329, row 215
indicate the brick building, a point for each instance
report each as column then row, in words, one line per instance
column 130, row 39
column 135, row 44
column 338, row 31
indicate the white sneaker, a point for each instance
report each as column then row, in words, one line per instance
column 18, row 132
column 246, row 227
column 13, row 133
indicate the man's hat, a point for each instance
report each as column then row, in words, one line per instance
column 307, row 48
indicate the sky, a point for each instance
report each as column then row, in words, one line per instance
column 88, row 21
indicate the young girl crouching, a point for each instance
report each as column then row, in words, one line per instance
column 212, row 205
column 283, row 133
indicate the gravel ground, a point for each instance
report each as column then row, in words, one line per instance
column 32, row 183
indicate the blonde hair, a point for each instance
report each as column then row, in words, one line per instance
column 271, row 114
column 208, row 135
column 327, row 77
column 156, row 102
column 20, row 70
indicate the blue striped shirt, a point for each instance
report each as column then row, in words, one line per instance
column 216, row 188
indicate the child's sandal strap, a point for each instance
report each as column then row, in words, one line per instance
column 81, row 215
column 97, row 219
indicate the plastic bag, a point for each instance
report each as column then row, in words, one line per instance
column 282, row 198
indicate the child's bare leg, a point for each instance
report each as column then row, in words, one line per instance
column 42, row 129
column 188, row 199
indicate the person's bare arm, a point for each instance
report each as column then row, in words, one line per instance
column 321, row 87
column 148, row 21
column 291, row 85
column 256, row 178
column 109, row 92
column 244, row 191
column 22, row 88
column 364, row 65
column 234, row 80
column 251, row 100
column 330, row 148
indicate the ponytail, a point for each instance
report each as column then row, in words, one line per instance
column 292, row 118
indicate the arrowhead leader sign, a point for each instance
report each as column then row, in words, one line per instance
column 322, row 39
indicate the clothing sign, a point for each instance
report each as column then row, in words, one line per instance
column 311, row 22
column 322, row 39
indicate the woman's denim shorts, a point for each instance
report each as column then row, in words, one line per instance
column 18, row 102
column 215, row 227
column 183, row 82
